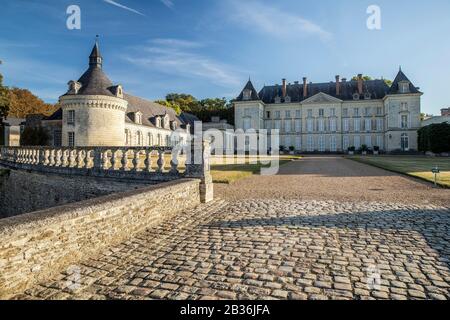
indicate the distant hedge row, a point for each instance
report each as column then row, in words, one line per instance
column 435, row 138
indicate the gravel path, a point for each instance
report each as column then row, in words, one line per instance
column 334, row 178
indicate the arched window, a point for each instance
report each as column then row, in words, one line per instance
column 150, row 139
column 127, row 137
column 167, row 140
column 158, row 139
column 139, row 138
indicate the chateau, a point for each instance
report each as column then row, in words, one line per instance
column 95, row 112
column 331, row 117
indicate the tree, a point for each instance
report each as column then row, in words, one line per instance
column 186, row 102
column 34, row 136
column 368, row 78
column 365, row 78
column 4, row 100
column 23, row 103
column 170, row 104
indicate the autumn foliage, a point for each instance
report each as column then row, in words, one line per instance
column 23, row 102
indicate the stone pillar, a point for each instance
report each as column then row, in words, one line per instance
column 198, row 166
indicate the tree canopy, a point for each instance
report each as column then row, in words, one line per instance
column 4, row 101
column 203, row 109
column 23, row 102
column 368, row 78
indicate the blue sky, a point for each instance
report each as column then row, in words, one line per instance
column 209, row 48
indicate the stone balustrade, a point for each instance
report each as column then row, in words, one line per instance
column 141, row 163
column 101, row 158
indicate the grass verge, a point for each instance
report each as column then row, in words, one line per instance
column 414, row 166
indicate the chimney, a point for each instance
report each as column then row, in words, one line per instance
column 284, row 89
column 360, row 84
column 338, row 85
column 305, row 87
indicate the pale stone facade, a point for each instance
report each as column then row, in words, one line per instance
column 331, row 117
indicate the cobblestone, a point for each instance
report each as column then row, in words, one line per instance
column 276, row 249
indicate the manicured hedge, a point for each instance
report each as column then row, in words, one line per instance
column 435, row 138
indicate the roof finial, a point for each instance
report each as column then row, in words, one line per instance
column 95, row 58
column 400, row 68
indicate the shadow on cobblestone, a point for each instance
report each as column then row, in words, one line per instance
column 433, row 225
column 274, row 249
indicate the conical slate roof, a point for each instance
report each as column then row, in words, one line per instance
column 399, row 78
column 94, row 81
column 254, row 93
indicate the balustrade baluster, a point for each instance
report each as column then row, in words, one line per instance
column 174, row 162
column 52, row 158
column 105, row 160
column 46, row 157
column 64, row 158
column 148, row 160
column 124, row 160
column 87, row 158
column 58, row 158
column 161, row 161
column 41, row 157
column 79, row 159
column 136, row 154
column 113, row 159
column 33, row 156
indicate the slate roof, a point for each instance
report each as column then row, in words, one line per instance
column 149, row 111
column 94, row 81
column 254, row 93
column 377, row 89
column 57, row 115
column 399, row 78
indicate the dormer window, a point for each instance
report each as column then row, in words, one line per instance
column 367, row 96
column 403, row 87
column 119, row 92
column 138, row 117
column 287, row 99
column 356, row 96
column 247, row 95
column 158, row 122
column 277, row 99
column 173, row 125
column 74, row 87
column 164, row 122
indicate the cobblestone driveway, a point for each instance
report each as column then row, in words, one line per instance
column 274, row 249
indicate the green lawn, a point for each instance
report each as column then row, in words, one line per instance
column 415, row 166
column 229, row 173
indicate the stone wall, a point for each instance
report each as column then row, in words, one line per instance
column 22, row 191
column 37, row 245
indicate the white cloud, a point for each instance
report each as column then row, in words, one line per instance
column 114, row 3
column 168, row 3
column 172, row 56
column 273, row 21
column 176, row 43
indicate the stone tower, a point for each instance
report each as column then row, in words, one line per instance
column 93, row 108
